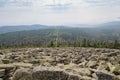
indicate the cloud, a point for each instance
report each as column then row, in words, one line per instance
column 15, row 3
column 58, row 3
column 103, row 2
column 58, row 11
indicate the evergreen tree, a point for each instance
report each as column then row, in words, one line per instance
column 116, row 44
column 52, row 44
column 85, row 43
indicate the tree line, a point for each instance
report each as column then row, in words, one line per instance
column 84, row 43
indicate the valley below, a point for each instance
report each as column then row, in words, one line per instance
column 60, row 64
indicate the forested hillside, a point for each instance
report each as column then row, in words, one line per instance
column 63, row 36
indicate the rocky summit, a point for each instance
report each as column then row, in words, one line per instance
column 60, row 64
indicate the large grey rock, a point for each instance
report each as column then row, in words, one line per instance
column 22, row 74
column 48, row 74
column 103, row 75
column 44, row 73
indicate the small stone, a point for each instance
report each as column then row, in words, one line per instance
column 6, row 66
column 114, row 68
column 25, row 65
column 73, row 77
column 102, row 65
column 83, row 71
column 91, row 64
column 94, row 76
column 1, row 79
column 2, row 72
column 5, row 61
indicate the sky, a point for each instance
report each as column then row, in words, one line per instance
column 58, row 12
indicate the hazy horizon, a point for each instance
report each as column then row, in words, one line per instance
column 58, row 12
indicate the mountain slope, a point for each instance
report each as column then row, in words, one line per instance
column 65, row 36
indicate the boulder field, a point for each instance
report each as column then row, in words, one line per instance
column 60, row 64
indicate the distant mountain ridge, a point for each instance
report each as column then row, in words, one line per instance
column 6, row 29
column 108, row 25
